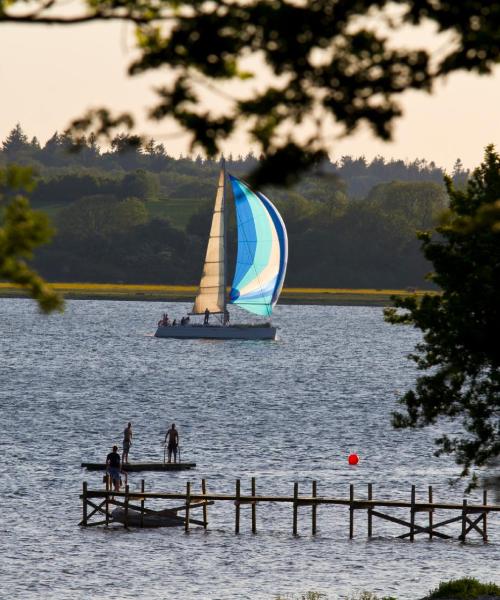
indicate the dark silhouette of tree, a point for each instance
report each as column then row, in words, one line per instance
column 459, row 174
column 57, row 151
column 35, row 144
column 460, row 352
column 325, row 59
column 16, row 142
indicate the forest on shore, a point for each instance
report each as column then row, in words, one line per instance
column 134, row 214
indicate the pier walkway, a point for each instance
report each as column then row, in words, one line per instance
column 470, row 518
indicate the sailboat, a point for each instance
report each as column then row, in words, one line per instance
column 261, row 260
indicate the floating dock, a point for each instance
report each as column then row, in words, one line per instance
column 143, row 466
column 470, row 518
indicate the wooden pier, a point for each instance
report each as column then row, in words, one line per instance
column 470, row 518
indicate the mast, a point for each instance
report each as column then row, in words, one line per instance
column 224, row 236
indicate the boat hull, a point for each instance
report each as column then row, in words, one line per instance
column 217, row 332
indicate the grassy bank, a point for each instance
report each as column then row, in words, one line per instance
column 467, row 588
column 111, row 291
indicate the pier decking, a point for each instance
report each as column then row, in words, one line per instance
column 469, row 517
column 143, row 466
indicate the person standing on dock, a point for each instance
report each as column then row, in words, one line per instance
column 172, row 436
column 207, row 316
column 113, row 467
column 127, row 442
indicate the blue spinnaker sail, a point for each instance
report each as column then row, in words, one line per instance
column 262, row 251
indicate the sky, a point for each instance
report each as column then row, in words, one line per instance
column 50, row 75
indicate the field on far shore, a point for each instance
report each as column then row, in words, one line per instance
column 159, row 293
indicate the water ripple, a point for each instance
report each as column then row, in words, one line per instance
column 283, row 412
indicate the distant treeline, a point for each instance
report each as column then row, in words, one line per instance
column 133, row 214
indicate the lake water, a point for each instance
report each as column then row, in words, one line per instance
column 283, row 411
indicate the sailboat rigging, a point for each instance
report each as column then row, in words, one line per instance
column 261, row 260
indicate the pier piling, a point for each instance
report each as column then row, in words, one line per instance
column 485, row 516
column 464, row 521
column 205, row 509
column 188, row 504
column 84, row 515
column 254, row 507
column 431, row 513
column 125, row 521
column 369, row 511
column 295, row 506
column 313, row 508
column 351, row 511
column 106, row 503
column 237, row 504
column 142, row 502
column 412, row 514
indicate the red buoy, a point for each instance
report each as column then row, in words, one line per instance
column 353, row 459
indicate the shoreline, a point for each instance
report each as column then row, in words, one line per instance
column 186, row 293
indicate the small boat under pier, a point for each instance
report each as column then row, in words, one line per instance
column 134, row 518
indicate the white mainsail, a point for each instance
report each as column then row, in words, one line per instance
column 212, row 291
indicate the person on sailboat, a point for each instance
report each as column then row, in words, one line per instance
column 172, row 436
column 164, row 321
column 226, row 317
column 207, row 316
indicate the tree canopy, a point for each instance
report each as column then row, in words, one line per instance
column 416, row 205
column 100, row 217
column 460, row 353
column 324, row 59
column 331, row 221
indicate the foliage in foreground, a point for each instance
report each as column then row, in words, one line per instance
column 21, row 231
column 324, row 62
column 460, row 351
column 467, row 588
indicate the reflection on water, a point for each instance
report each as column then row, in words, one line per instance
column 283, row 411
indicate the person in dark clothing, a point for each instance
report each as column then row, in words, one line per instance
column 207, row 316
column 113, row 467
column 172, row 436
